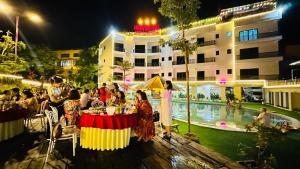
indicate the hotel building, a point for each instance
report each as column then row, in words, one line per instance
column 238, row 51
column 67, row 59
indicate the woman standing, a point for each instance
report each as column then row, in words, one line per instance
column 166, row 108
column 145, row 129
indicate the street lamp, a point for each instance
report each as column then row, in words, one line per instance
column 34, row 17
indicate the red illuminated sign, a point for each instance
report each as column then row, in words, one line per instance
column 146, row 28
column 146, row 24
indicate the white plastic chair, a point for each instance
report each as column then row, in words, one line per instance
column 52, row 117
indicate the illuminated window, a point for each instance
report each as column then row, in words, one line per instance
column 228, row 34
column 66, row 63
column 250, row 34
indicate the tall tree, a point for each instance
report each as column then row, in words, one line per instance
column 124, row 66
column 183, row 13
column 9, row 62
column 87, row 67
column 43, row 60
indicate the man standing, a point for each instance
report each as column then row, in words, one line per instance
column 84, row 99
column 103, row 93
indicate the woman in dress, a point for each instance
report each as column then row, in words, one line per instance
column 166, row 108
column 145, row 129
column 72, row 107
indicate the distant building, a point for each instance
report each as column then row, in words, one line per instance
column 68, row 60
column 238, row 52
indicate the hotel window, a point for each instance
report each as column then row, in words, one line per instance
column 169, row 74
column 200, row 75
column 180, row 60
column 181, row 76
column 170, row 57
column 65, row 63
column 250, row 34
column 155, row 62
column 155, row 49
column 228, row 51
column 228, row 34
column 139, row 76
column 76, row 55
column 217, row 52
column 229, row 71
column 139, row 62
column 65, row 55
column 119, row 47
column 217, row 36
column 162, row 59
column 200, row 58
column 153, row 75
column 249, row 73
column 118, row 76
column 200, row 41
column 162, row 74
column 139, row 48
column 118, row 60
column 217, row 72
column 249, row 53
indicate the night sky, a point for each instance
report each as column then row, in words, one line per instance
column 72, row 24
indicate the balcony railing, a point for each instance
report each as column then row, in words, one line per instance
column 119, row 49
column 261, row 77
column 183, row 79
column 139, row 65
column 206, row 78
column 117, row 77
column 262, row 55
column 207, row 43
column 138, row 51
column 283, row 82
column 207, row 60
column 153, row 50
column 191, row 61
column 139, row 79
column 153, row 64
column 260, row 36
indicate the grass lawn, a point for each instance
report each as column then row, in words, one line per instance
column 287, row 152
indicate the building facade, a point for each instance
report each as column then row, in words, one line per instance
column 238, row 51
column 67, row 60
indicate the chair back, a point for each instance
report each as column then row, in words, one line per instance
column 49, row 115
column 55, row 114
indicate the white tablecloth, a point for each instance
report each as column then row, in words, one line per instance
column 11, row 129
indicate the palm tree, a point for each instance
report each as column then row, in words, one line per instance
column 183, row 12
column 124, row 66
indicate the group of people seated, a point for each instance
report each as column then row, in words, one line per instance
column 69, row 101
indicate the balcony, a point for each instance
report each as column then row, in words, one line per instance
column 212, row 78
column 153, row 64
column 207, row 60
column 155, row 50
column 191, row 61
column 139, row 79
column 138, row 51
column 258, row 77
column 283, row 82
column 183, row 79
column 260, row 36
column 207, row 43
column 260, row 55
column 119, row 49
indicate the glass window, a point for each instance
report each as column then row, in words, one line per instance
column 241, row 36
column 170, row 57
column 229, row 71
column 200, row 75
column 162, row 74
column 169, row 74
column 228, row 34
column 200, row 58
column 162, row 59
column 217, row 72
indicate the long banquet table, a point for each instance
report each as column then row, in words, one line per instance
column 11, row 122
column 106, row 132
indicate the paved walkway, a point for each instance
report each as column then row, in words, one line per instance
column 28, row 151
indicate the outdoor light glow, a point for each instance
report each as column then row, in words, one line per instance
column 283, row 8
column 153, row 21
column 147, row 21
column 11, row 76
column 140, row 21
column 34, row 17
column 5, row 7
column 112, row 31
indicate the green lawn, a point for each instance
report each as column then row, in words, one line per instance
column 286, row 152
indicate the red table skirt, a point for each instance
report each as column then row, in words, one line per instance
column 108, row 122
column 12, row 114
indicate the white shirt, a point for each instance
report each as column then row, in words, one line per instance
column 84, row 98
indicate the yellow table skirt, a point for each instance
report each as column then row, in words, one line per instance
column 11, row 128
column 104, row 139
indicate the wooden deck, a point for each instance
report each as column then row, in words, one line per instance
column 28, row 151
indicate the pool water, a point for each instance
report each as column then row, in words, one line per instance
column 215, row 116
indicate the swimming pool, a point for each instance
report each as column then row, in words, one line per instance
column 218, row 116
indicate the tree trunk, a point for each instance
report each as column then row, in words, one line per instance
column 124, row 78
column 187, row 82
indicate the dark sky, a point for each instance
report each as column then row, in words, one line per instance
column 72, row 24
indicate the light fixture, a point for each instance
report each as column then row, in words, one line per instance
column 147, row 21
column 140, row 21
column 153, row 21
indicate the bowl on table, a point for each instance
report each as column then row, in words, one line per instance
column 110, row 110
